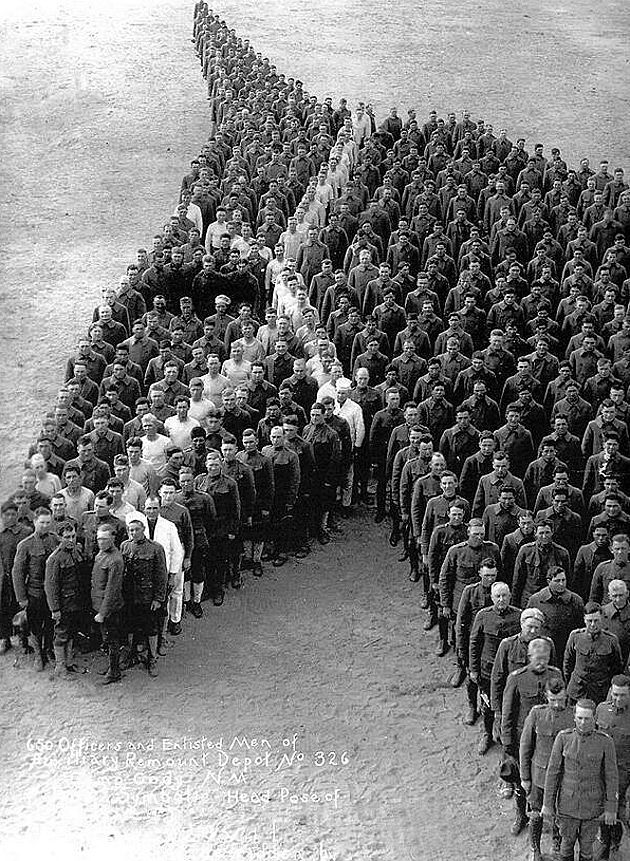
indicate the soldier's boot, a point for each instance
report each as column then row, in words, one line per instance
column 152, row 666
column 471, row 695
column 433, row 616
column 36, row 646
column 520, row 819
column 425, row 600
column 485, row 742
column 71, row 667
column 535, row 833
column 61, row 670
column 113, row 673
column 443, row 645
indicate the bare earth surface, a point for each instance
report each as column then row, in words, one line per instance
column 319, row 674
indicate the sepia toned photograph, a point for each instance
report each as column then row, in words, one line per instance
column 315, row 450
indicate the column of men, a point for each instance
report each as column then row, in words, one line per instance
column 442, row 310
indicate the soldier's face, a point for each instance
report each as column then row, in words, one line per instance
column 620, row 697
column 488, row 576
column 530, row 628
column 584, row 719
column 593, row 623
column 501, row 597
column 557, row 702
column 136, row 531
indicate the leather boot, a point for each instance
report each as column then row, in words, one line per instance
column 471, row 695
column 36, row 646
column 152, row 666
column 443, row 645
column 60, row 671
column 535, row 833
column 432, row 617
column 70, row 665
column 113, row 673
column 485, row 742
column 520, row 819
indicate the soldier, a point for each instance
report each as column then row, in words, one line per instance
column 244, row 478
column 616, row 616
column 581, row 782
column 203, row 517
column 61, row 584
column 491, row 626
column 224, row 493
column 144, row 588
column 525, row 688
column 443, row 538
column 262, row 470
column 28, row 582
column 179, row 516
column 11, row 533
column 592, row 657
column 107, row 598
column 541, row 727
column 562, row 609
column 461, row 567
column 286, row 482
column 613, row 718
column 534, row 561
column 474, row 597
column 618, row 568
column 326, row 448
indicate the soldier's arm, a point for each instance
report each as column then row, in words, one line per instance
column 479, row 501
column 445, row 580
column 498, row 679
column 462, row 623
column 527, row 747
column 568, row 663
column 611, row 777
column 428, row 522
column 518, row 580
column 474, row 648
column 19, row 572
column 509, row 712
column 160, row 575
column 554, row 775
column 416, row 510
column 52, row 585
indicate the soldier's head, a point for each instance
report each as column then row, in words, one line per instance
column 488, row 572
column 584, row 716
column 544, row 532
column 152, row 508
column 620, row 543
column 186, row 479
column 487, row 442
column 531, row 622
column 593, row 618
column 556, row 694
column 214, row 462
column 620, row 692
column 105, row 537
column 137, row 524
column 500, row 595
column 500, row 464
column 456, row 514
column 476, row 532
column 539, row 654
column 618, row 593
column 556, row 580
column 438, row 464
column 507, row 497
column 601, row 536
column 448, row 483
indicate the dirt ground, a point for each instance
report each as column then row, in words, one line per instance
column 319, row 674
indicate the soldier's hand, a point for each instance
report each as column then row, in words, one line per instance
column 609, row 818
column 23, row 605
column 527, row 786
column 546, row 812
column 155, row 605
column 425, row 559
column 98, row 618
column 446, row 612
column 474, row 677
column 186, row 564
column 56, row 616
column 404, row 517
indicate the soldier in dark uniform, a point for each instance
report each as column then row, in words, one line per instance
column 413, row 468
column 203, row 517
column 11, row 533
column 581, row 783
column 107, row 599
column 613, row 718
column 592, row 657
column 327, row 454
column 61, row 584
column 262, row 470
column 144, row 589
column 301, row 525
column 525, row 688
column 243, row 475
column 540, row 729
column 461, row 567
column 475, row 596
column 491, row 626
column 224, row 493
column 286, row 483
column 382, row 426
column 28, row 582
column 534, row 561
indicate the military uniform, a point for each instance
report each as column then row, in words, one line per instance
column 474, row 598
column 590, row 663
column 224, row 493
column 581, row 783
column 531, row 566
column 107, row 599
column 616, row 723
column 29, row 568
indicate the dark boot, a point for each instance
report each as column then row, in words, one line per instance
column 485, row 742
column 432, row 617
column 471, row 695
column 535, row 833
column 443, row 645
column 520, row 819
column 60, row 671
column 113, row 673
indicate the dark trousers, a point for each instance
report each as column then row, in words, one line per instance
column 8, row 609
column 381, row 485
column 40, row 622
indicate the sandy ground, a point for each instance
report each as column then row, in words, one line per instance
column 319, row 673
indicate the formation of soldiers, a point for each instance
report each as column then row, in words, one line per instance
column 423, row 306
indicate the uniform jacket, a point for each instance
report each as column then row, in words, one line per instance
column 541, row 727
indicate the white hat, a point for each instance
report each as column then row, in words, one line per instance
column 137, row 516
